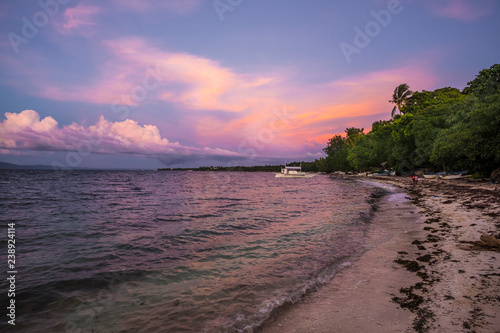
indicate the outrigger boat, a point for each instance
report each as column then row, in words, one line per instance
column 384, row 173
column 435, row 175
column 293, row 172
column 431, row 175
column 446, row 175
column 451, row 176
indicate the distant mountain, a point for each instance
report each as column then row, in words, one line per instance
column 10, row 166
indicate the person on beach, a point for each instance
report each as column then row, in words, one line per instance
column 414, row 179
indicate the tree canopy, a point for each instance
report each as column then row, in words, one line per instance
column 445, row 129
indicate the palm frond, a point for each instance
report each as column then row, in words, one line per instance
column 399, row 97
column 393, row 113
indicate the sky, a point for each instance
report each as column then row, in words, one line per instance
column 185, row 83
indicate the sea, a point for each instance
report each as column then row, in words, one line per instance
column 174, row 251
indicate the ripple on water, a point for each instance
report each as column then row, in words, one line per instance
column 180, row 251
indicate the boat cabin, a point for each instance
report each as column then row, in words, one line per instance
column 290, row 170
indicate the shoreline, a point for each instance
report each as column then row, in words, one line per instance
column 425, row 278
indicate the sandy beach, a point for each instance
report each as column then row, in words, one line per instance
column 427, row 272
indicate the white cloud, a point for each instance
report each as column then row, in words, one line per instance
column 78, row 20
column 26, row 131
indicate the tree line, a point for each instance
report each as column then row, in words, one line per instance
column 441, row 130
column 256, row 168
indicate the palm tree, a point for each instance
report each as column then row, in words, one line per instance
column 401, row 94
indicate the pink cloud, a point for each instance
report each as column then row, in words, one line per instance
column 25, row 131
column 136, row 69
column 78, row 19
column 464, row 10
column 310, row 115
column 192, row 81
column 356, row 96
column 316, row 113
column 173, row 6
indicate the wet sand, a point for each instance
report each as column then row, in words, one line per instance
column 422, row 272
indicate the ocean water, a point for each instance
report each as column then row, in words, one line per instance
column 150, row 251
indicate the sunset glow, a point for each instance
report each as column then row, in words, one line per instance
column 182, row 84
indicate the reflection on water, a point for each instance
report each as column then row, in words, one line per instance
column 109, row 251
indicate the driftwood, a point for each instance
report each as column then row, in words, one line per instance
column 488, row 241
column 485, row 243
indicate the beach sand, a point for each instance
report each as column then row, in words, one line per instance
column 422, row 271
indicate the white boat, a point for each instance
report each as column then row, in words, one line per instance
column 435, row 175
column 385, row 173
column 451, row 176
column 293, row 172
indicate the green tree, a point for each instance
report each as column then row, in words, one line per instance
column 338, row 162
column 431, row 110
column 418, row 102
column 403, row 148
column 334, row 145
column 336, row 151
column 444, row 128
column 486, row 83
column 321, row 164
column 360, row 156
column 381, row 142
column 399, row 97
column 353, row 134
column 473, row 140
column 338, row 148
